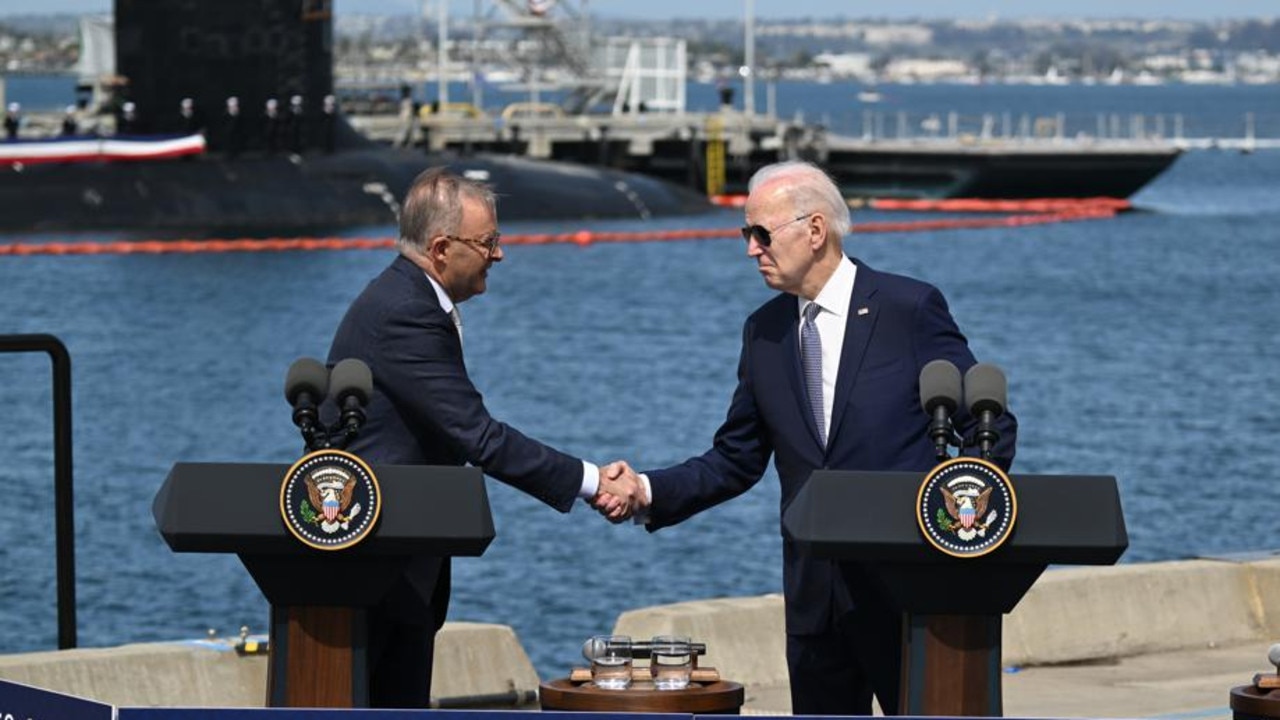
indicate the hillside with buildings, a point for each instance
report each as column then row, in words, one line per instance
column 872, row 51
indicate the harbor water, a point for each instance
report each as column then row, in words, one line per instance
column 1146, row 346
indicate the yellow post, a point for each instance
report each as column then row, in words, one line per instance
column 715, row 155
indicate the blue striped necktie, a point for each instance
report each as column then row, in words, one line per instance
column 811, row 359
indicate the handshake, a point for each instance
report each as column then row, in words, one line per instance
column 621, row 493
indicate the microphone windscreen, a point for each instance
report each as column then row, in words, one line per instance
column 985, row 389
column 306, row 375
column 351, row 377
column 940, row 386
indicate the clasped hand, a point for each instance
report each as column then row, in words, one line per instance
column 621, row 494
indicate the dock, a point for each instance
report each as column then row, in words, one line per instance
column 1157, row 640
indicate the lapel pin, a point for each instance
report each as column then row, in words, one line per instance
column 863, row 311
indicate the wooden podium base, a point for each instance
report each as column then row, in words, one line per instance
column 317, row 658
column 951, row 665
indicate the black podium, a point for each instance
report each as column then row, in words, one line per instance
column 951, row 639
column 319, row 597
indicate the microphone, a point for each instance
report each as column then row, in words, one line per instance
column 305, row 386
column 940, row 396
column 986, row 394
column 351, row 385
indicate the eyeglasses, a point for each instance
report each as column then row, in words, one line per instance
column 489, row 243
column 764, row 235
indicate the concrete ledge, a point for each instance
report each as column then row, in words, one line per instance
column 1265, row 587
column 1092, row 613
column 194, row 674
column 746, row 641
column 1098, row 620
column 746, row 637
column 481, row 665
column 1071, row 615
column 476, row 665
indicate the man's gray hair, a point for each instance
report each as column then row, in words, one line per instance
column 433, row 206
column 810, row 190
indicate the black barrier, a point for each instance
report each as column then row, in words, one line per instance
column 63, row 501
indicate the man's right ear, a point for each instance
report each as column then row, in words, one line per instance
column 436, row 247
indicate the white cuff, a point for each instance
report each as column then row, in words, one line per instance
column 641, row 517
column 590, row 481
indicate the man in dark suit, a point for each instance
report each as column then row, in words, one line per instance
column 828, row 378
column 425, row 411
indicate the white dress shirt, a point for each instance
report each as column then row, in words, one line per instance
column 833, row 301
column 590, row 472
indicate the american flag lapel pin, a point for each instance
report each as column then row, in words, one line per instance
column 863, row 311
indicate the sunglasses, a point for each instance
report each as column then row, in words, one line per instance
column 489, row 244
column 764, row 235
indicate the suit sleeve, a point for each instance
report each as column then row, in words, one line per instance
column 738, row 457
column 938, row 337
column 422, row 373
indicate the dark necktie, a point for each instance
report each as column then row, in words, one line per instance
column 811, row 359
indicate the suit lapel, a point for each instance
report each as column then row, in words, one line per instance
column 859, row 324
column 418, row 279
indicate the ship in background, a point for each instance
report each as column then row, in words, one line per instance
column 621, row 103
column 315, row 175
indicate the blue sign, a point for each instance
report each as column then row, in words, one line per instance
column 23, row 702
column 365, row 714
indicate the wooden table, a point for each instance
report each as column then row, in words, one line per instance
column 1249, row 703
column 721, row 697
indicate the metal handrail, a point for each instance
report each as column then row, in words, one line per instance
column 64, row 526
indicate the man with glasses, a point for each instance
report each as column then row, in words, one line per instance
column 828, row 378
column 425, row 411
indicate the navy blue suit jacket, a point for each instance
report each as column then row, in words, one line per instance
column 895, row 326
column 425, row 411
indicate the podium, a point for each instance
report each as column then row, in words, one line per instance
column 319, row 598
column 951, row 638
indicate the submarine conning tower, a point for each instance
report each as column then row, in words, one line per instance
column 253, row 50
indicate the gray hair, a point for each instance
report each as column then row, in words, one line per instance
column 433, row 206
column 810, row 189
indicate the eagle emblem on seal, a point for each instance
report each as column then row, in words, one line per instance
column 967, row 508
column 331, row 492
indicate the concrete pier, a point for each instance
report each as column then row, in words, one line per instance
column 1144, row 640
column 1165, row 640
column 477, row 665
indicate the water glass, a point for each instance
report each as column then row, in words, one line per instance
column 610, row 657
column 670, row 662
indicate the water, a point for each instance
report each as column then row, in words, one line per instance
column 611, row 673
column 1144, row 347
column 670, row 665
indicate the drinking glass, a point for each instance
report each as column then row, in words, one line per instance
column 610, row 657
column 670, row 662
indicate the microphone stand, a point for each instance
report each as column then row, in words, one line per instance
column 348, row 426
column 987, row 436
column 941, row 432
column 308, row 422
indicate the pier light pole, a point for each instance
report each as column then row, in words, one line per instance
column 442, row 53
column 749, row 60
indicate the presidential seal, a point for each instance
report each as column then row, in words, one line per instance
column 330, row 500
column 966, row 507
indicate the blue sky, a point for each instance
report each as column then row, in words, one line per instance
column 649, row 9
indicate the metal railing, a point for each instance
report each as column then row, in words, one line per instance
column 64, row 526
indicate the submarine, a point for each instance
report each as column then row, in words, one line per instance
column 258, row 174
